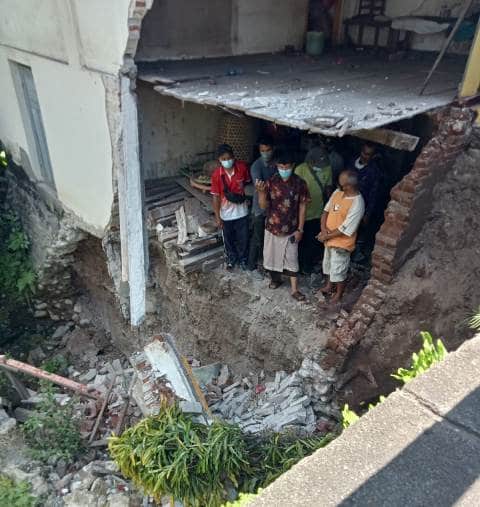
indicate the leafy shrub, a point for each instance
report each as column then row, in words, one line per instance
column 15, row 494
column 429, row 354
column 17, row 278
column 348, row 416
column 53, row 430
column 474, row 321
column 172, row 455
column 55, row 364
column 276, row 453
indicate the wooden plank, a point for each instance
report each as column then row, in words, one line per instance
column 169, row 200
column 193, row 263
column 166, row 210
column 392, row 138
column 205, row 199
column 199, row 248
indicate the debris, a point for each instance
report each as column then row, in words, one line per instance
column 102, row 410
column 224, row 376
column 206, row 374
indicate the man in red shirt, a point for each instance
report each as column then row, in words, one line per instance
column 230, row 205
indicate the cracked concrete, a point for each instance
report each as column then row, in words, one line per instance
column 420, row 447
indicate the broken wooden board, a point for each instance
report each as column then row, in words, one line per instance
column 205, row 199
column 393, row 138
column 196, row 262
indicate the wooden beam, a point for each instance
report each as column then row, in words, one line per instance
column 392, row 138
column 471, row 78
column 18, row 366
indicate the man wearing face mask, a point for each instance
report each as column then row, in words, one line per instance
column 230, row 206
column 317, row 174
column 368, row 171
column 284, row 197
column 262, row 170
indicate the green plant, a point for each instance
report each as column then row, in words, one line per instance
column 172, row 455
column 429, row 354
column 243, row 500
column 55, row 364
column 15, row 494
column 474, row 321
column 348, row 416
column 276, row 453
column 17, row 278
column 53, row 430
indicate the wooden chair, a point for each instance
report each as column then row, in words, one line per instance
column 368, row 10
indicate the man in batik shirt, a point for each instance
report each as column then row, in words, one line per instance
column 284, row 197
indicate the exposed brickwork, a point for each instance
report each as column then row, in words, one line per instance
column 138, row 9
column 410, row 204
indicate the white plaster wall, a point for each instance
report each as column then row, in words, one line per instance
column 87, row 36
column 172, row 133
column 265, row 25
column 185, row 29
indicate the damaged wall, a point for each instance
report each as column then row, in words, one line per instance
column 184, row 29
column 436, row 290
column 69, row 49
column 173, row 133
column 409, row 208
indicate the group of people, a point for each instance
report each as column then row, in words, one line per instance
column 297, row 215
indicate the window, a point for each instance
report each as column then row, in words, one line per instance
column 32, row 119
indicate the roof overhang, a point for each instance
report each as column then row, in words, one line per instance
column 332, row 95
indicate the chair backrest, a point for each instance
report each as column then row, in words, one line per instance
column 371, row 7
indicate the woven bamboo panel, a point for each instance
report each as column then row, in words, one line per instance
column 240, row 133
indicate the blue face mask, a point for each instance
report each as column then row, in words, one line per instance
column 227, row 164
column 285, row 173
column 266, row 155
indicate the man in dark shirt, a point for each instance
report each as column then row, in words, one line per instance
column 368, row 171
column 262, row 169
column 284, row 197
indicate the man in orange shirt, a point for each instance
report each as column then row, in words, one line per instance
column 339, row 224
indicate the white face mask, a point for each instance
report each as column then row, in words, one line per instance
column 317, row 169
column 227, row 164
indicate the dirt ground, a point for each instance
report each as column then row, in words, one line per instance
column 436, row 290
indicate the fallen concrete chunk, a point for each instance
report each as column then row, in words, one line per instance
column 191, row 407
column 224, row 376
column 206, row 374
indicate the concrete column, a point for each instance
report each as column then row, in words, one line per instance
column 130, row 198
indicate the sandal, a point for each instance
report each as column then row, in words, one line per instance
column 298, row 296
column 274, row 285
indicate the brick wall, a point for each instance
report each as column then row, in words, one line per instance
column 409, row 207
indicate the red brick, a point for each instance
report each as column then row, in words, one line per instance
column 383, row 255
column 409, row 185
column 380, row 275
column 342, row 334
column 384, row 241
column 400, row 196
column 393, row 231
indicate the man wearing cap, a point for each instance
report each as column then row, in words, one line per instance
column 317, row 174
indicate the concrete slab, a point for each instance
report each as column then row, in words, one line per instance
column 452, row 388
column 402, row 452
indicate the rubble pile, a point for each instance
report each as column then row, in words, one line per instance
column 300, row 401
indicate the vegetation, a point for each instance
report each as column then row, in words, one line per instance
column 15, row 494
column 474, row 321
column 172, row 455
column 55, row 364
column 53, row 430
column 429, row 354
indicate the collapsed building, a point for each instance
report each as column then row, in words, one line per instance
column 110, row 114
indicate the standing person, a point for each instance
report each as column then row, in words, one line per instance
column 340, row 220
column 317, row 174
column 262, row 169
column 230, row 206
column 368, row 184
column 284, row 197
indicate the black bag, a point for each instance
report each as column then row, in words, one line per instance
column 322, row 188
column 232, row 196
